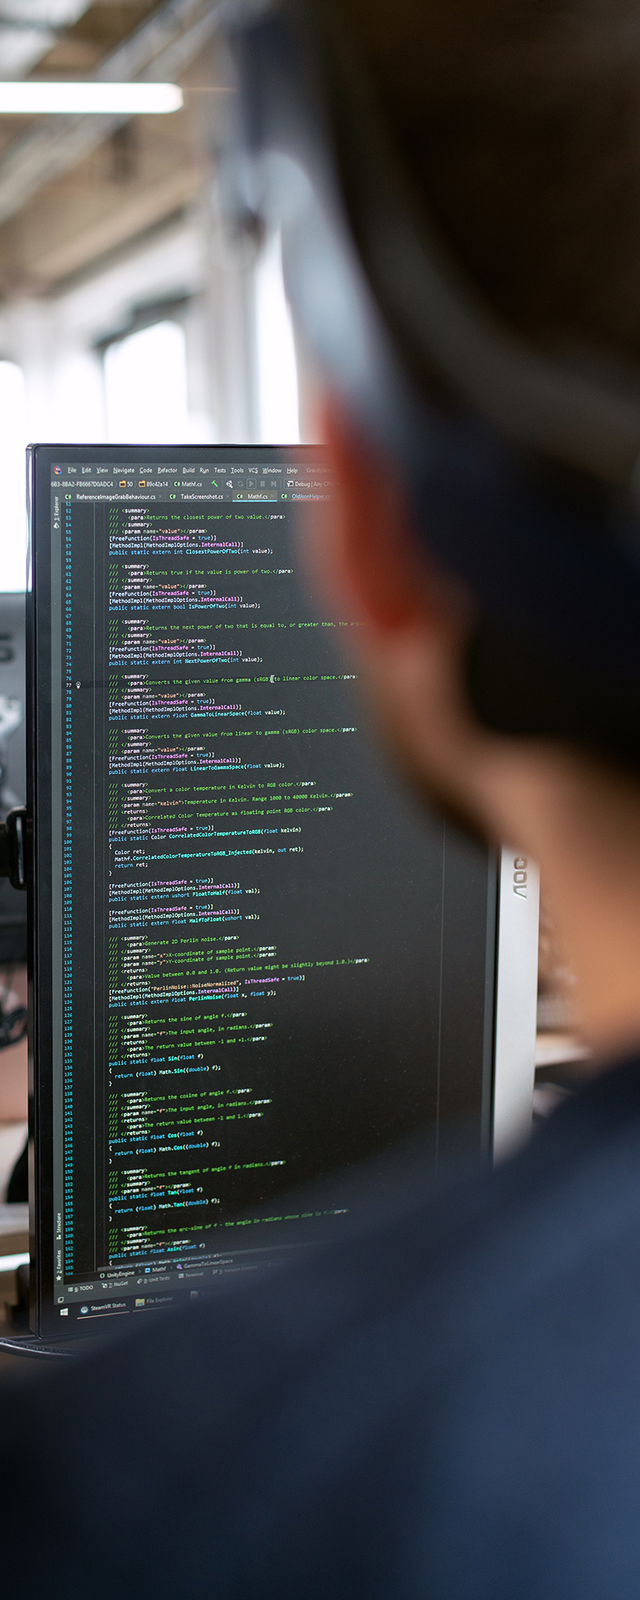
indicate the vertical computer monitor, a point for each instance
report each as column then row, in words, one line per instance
column 256, row 962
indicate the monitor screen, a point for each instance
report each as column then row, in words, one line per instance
column 256, row 962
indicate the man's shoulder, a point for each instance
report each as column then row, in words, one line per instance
column 521, row 1224
column 322, row 1423
column 415, row 1250
column 430, row 1277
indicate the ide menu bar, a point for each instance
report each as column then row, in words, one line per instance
column 241, row 483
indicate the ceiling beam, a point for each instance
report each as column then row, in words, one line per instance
column 160, row 48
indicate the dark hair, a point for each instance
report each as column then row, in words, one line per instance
column 520, row 120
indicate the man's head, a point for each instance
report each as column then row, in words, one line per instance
column 516, row 129
column 577, row 816
column 519, row 120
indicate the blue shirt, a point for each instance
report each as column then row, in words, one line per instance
column 445, row 1404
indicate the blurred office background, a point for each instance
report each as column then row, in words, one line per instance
column 126, row 312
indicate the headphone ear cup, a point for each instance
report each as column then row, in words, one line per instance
column 528, row 692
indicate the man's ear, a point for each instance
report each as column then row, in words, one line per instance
column 370, row 559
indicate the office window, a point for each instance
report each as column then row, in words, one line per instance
column 278, row 412
column 13, row 438
column 145, row 379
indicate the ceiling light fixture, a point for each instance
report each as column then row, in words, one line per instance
column 31, row 98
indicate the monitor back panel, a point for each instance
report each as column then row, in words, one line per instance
column 256, row 963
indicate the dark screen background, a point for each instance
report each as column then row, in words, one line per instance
column 274, row 966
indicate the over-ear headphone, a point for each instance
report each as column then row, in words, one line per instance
column 521, row 470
